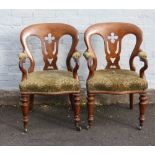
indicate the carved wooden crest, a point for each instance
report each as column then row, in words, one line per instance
column 112, row 34
column 49, row 34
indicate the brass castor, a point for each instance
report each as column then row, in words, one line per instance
column 88, row 126
column 140, row 127
column 78, row 127
column 25, row 130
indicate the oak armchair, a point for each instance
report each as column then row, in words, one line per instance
column 113, row 79
column 49, row 81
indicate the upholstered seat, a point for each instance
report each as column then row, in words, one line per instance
column 116, row 80
column 50, row 81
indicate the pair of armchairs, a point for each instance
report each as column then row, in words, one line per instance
column 111, row 80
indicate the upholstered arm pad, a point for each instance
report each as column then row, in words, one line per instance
column 142, row 55
column 22, row 56
column 87, row 55
column 76, row 55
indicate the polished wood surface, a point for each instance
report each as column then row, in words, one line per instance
column 49, row 35
column 25, row 110
column 112, row 35
column 131, row 99
column 77, row 111
column 49, row 50
column 90, row 105
column 113, row 50
column 142, row 108
column 31, row 99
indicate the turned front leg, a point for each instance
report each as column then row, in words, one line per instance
column 142, row 108
column 25, row 110
column 77, row 111
column 90, row 107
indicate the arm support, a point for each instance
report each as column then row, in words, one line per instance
column 143, row 57
column 91, row 66
column 22, row 58
column 76, row 56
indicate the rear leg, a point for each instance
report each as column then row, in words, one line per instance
column 131, row 98
column 31, row 99
column 71, row 98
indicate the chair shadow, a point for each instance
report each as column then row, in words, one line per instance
column 54, row 118
column 59, row 118
column 37, row 114
column 105, row 115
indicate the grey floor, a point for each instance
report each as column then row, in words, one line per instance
column 53, row 125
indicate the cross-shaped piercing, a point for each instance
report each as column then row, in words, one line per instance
column 49, row 38
column 112, row 37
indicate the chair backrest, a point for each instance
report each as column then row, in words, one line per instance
column 112, row 34
column 49, row 35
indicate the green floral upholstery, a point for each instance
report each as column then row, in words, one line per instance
column 76, row 55
column 22, row 56
column 87, row 55
column 50, row 81
column 142, row 55
column 116, row 80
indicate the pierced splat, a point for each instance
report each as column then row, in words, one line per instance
column 112, row 37
column 50, row 60
column 50, row 51
column 49, row 35
column 49, row 38
column 112, row 50
column 112, row 34
column 112, row 60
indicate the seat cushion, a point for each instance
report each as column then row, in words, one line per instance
column 116, row 80
column 50, row 81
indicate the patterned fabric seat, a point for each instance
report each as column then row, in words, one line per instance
column 50, row 81
column 116, row 80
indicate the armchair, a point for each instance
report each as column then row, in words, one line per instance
column 113, row 79
column 49, row 81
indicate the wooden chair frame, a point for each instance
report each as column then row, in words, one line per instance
column 57, row 30
column 105, row 30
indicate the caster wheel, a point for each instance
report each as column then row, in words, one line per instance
column 140, row 128
column 88, row 127
column 25, row 130
column 78, row 128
